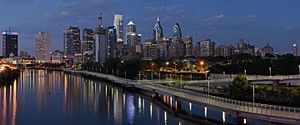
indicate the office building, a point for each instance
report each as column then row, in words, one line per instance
column 207, row 48
column 72, row 45
column 9, row 44
column 42, row 47
column 157, row 30
column 88, row 45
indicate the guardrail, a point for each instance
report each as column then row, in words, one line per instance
column 258, row 108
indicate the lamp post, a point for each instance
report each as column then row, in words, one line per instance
column 299, row 69
column 270, row 71
column 253, row 93
column 125, row 74
column 206, row 77
column 152, row 64
column 175, row 64
column 139, row 75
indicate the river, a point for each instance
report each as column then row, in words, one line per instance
column 40, row 97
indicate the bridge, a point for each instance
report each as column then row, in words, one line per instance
column 239, row 109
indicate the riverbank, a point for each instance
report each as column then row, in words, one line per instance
column 7, row 76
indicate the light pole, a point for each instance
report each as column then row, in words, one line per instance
column 175, row 64
column 253, row 92
column 299, row 69
column 125, row 74
column 206, row 75
column 181, row 78
column 152, row 71
column 270, row 71
column 139, row 75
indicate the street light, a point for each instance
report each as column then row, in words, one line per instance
column 270, row 71
column 175, row 64
column 245, row 71
column 152, row 64
column 139, row 75
column 253, row 92
column 299, row 69
column 125, row 74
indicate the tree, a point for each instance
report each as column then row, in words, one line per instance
column 240, row 88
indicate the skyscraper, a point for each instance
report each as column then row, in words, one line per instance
column 177, row 45
column 177, row 35
column 130, row 34
column 88, row 45
column 157, row 30
column 111, row 38
column 100, row 42
column 72, row 45
column 118, row 24
column 207, row 48
column 188, row 46
column 100, row 47
column 133, row 47
column 42, row 47
column 295, row 50
column 9, row 44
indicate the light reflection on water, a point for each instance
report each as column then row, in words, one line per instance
column 40, row 97
column 48, row 97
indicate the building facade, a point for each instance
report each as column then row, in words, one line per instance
column 157, row 31
column 88, row 45
column 72, row 45
column 9, row 44
column 207, row 48
column 42, row 47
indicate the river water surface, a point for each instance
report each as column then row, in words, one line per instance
column 40, row 97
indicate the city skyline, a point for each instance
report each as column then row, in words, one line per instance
column 224, row 26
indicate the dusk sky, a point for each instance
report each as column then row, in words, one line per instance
column 224, row 21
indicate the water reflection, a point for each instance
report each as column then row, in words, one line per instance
column 8, row 97
column 50, row 97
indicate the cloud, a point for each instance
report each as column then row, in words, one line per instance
column 17, row 2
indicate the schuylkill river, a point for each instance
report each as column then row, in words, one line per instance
column 40, row 97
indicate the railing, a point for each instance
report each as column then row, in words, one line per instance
column 266, row 109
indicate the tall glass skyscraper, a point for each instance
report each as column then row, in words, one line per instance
column 111, row 38
column 157, row 30
column 118, row 23
column 177, row 35
column 42, row 47
column 9, row 44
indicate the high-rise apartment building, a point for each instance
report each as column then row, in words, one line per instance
column 207, row 48
column 188, row 46
column 88, row 45
column 72, row 45
column 9, row 44
column 42, row 47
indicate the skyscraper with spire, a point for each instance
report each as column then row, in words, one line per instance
column 177, row 45
column 100, row 50
column 157, row 30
